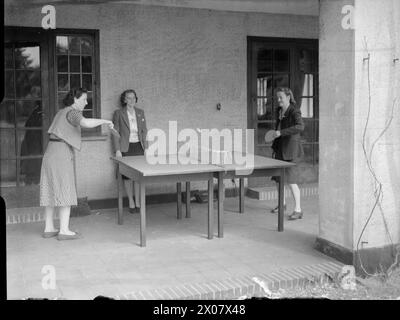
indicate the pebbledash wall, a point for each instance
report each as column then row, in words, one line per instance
column 350, row 122
column 181, row 62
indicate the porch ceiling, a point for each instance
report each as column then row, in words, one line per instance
column 299, row 7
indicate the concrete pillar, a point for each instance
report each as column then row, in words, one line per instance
column 359, row 174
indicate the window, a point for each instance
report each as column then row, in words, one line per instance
column 76, row 66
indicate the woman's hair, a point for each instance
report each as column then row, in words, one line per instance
column 123, row 95
column 287, row 92
column 73, row 93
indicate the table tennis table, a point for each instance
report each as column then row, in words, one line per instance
column 142, row 170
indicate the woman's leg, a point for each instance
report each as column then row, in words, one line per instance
column 296, row 195
column 137, row 194
column 64, row 220
column 49, row 222
column 129, row 192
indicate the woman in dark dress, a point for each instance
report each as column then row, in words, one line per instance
column 130, row 123
column 287, row 145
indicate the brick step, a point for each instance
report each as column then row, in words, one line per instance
column 243, row 287
column 271, row 193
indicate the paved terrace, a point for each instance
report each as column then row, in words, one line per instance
column 109, row 261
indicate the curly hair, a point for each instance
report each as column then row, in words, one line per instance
column 123, row 95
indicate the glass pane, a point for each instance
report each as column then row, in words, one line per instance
column 62, row 63
column 87, row 45
column 28, row 84
column 7, row 142
column 75, row 81
column 61, row 44
column 281, row 80
column 74, row 45
column 63, row 84
column 74, row 64
column 27, row 57
column 307, row 107
column 60, row 99
column 30, row 171
column 264, row 59
column 29, row 113
column 9, row 84
column 86, row 64
column 30, row 142
column 262, row 129
column 7, row 114
column 281, row 60
column 265, row 109
column 8, row 173
column 308, row 87
column 308, row 153
column 305, row 61
column 264, row 85
column 308, row 133
column 88, row 113
column 87, row 81
column 8, row 58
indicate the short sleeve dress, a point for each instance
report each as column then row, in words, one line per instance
column 58, row 174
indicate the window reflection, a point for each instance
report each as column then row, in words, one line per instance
column 7, row 115
column 308, row 85
column 264, row 85
column 306, row 107
column 27, row 58
column 62, row 44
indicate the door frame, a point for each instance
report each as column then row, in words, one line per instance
column 280, row 43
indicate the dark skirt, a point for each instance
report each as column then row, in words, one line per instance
column 135, row 149
column 292, row 174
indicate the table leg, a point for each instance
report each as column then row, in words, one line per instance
column 210, row 208
column 281, row 195
column 221, row 196
column 178, row 200
column 188, row 213
column 142, row 214
column 241, row 195
column 120, row 203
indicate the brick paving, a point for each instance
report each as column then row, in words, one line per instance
column 179, row 261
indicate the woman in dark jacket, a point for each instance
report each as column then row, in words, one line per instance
column 130, row 123
column 287, row 145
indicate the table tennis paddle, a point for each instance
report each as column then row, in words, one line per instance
column 270, row 136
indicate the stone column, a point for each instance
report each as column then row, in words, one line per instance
column 359, row 176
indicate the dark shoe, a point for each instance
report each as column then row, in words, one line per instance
column 49, row 234
column 77, row 235
column 134, row 210
column 295, row 215
column 275, row 210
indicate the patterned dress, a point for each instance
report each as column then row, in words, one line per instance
column 57, row 177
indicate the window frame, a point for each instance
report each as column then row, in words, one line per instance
column 281, row 43
column 96, row 102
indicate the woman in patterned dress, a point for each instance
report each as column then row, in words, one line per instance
column 57, row 176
